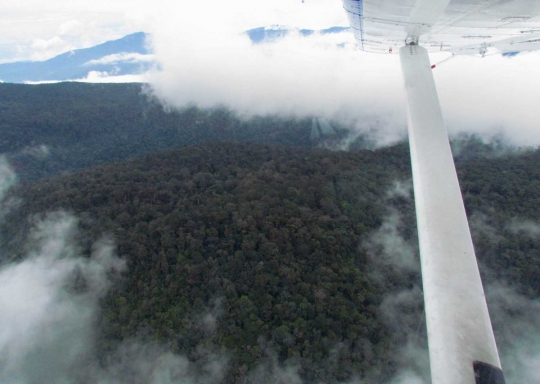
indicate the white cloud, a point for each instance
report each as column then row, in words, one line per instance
column 70, row 27
column 80, row 23
column 297, row 75
column 37, row 151
column 207, row 60
column 527, row 227
column 491, row 95
column 44, row 49
column 47, row 326
column 104, row 77
column 124, row 57
column 99, row 77
column 515, row 319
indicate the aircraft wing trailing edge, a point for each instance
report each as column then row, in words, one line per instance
column 471, row 27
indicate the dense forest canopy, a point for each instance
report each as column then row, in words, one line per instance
column 51, row 128
column 245, row 220
column 275, row 236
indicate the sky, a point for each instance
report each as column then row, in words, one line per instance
column 207, row 60
column 38, row 30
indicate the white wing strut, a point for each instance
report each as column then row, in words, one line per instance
column 461, row 343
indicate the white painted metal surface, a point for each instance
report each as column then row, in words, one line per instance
column 458, row 323
column 456, row 26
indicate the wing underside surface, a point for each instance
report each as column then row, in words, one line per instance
column 456, row 26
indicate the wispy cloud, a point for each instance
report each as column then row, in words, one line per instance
column 528, row 227
column 99, row 77
column 46, row 323
column 123, row 57
column 50, row 301
column 515, row 320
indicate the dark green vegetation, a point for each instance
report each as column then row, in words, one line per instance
column 270, row 233
column 269, row 240
column 83, row 125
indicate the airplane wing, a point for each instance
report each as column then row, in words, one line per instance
column 462, row 346
column 457, row 26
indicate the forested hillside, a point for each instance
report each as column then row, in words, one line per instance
column 51, row 128
column 272, row 241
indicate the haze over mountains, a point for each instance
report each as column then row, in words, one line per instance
column 125, row 56
column 130, row 55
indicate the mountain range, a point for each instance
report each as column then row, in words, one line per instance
column 125, row 56
column 129, row 55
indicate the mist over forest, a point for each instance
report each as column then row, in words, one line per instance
column 145, row 244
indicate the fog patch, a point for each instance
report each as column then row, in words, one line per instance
column 49, row 301
column 271, row 372
column 527, row 227
column 295, row 76
column 8, row 178
column 491, row 97
column 38, row 151
column 482, row 224
column 387, row 246
column 408, row 377
column 517, row 330
column 149, row 363
column 395, row 267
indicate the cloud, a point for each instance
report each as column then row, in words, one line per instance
column 148, row 363
column 70, row 27
column 207, row 59
column 121, row 57
column 8, row 178
column 37, row 151
column 389, row 247
column 50, row 302
column 213, row 62
column 492, row 95
column 99, row 77
column 42, row 49
column 105, row 77
column 515, row 321
column 269, row 371
column 295, row 76
column 80, row 24
column 47, row 325
column 528, row 227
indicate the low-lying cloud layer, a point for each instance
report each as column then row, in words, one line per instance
column 207, row 59
column 46, row 324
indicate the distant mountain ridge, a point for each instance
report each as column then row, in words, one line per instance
column 268, row 34
column 127, row 55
